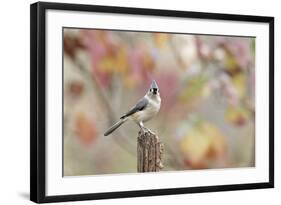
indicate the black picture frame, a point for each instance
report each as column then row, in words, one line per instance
column 38, row 100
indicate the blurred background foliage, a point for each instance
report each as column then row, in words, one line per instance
column 207, row 86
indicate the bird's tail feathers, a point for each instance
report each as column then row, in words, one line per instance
column 115, row 126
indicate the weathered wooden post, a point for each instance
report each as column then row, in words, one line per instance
column 149, row 152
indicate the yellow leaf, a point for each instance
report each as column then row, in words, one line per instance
column 121, row 61
column 148, row 61
column 217, row 140
column 237, row 115
column 203, row 144
column 195, row 146
column 117, row 63
column 230, row 62
column 239, row 82
column 107, row 64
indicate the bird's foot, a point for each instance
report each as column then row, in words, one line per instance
column 146, row 130
column 151, row 132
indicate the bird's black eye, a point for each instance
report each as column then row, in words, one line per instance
column 151, row 90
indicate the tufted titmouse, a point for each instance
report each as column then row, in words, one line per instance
column 144, row 110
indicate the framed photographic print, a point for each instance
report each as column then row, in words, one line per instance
column 129, row 102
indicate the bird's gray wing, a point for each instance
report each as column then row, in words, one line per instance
column 142, row 103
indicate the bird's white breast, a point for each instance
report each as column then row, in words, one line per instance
column 150, row 111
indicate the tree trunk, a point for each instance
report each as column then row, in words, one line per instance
column 150, row 151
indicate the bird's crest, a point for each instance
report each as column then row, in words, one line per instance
column 154, row 85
